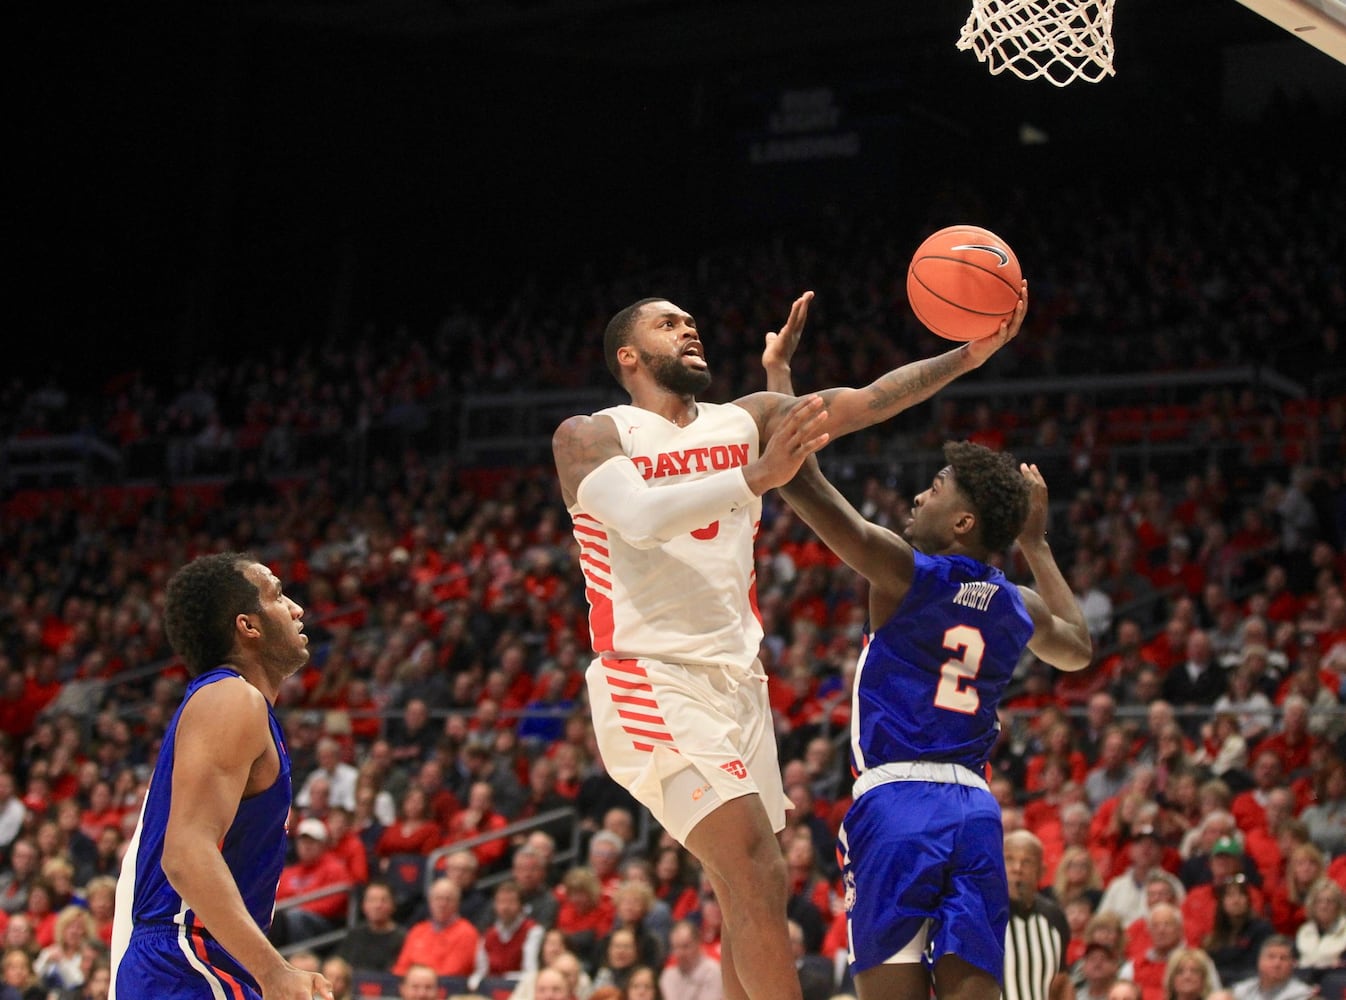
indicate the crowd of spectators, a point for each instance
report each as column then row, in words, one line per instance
column 1198, row 765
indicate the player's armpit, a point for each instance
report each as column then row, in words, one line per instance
column 580, row 445
column 1063, row 644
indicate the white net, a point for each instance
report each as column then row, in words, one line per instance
column 1060, row 40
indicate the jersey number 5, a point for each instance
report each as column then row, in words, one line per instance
column 955, row 691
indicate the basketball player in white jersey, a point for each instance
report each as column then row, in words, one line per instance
column 665, row 494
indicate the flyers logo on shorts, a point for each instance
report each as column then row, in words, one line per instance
column 735, row 768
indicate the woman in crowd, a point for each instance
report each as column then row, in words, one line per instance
column 1189, row 975
column 60, row 965
column 1320, row 942
column 414, row 832
column 1077, row 876
column 16, row 972
column 1238, row 933
column 1304, row 867
column 643, row 984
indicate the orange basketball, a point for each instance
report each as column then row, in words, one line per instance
column 963, row 281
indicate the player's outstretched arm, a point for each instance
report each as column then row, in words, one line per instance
column 222, row 733
column 608, row 485
column 1060, row 635
column 890, row 394
column 881, row 556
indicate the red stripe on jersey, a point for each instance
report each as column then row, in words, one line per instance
column 657, row 720
column 628, row 699
column 584, row 529
column 625, row 666
column 644, row 746
column 600, row 618
column 648, row 733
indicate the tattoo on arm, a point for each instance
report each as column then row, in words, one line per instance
column 896, row 387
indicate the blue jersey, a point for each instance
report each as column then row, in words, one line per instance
column 929, row 679
column 166, row 929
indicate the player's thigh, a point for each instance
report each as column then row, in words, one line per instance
column 893, row 982
column 736, row 843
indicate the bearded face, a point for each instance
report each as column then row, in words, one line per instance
column 675, row 375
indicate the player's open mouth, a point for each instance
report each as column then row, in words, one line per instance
column 694, row 352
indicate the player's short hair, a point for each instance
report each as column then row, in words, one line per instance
column 991, row 482
column 618, row 334
column 202, row 601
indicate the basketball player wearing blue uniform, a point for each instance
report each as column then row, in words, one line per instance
column 198, row 883
column 922, row 845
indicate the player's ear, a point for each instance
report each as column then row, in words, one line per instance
column 965, row 524
column 627, row 355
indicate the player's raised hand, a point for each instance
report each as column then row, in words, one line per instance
column 982, row 349
column 780, row 347
column 797, row 437
column 1035, row 524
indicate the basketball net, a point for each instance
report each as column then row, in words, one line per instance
column 1062, row 40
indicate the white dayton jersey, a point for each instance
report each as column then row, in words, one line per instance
column 692, row 599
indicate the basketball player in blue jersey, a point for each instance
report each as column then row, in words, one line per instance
column 665, row 495
column 922, row 844
column 198, row 883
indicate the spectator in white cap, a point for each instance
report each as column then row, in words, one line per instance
column 315, row 867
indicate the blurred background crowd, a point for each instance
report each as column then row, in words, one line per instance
column 1180, row 380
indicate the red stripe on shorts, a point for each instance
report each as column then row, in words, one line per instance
column 625, row 666
column 657, row 720
column 199, row 946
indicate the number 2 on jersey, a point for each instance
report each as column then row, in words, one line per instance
column 955, row 691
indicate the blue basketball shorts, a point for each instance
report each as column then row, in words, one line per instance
column 177, row 963
column 917, row 851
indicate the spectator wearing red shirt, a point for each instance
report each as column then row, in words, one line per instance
column 1281, row 604
column 1168, row 647
column 1198, row 909
column 345, row 844
column 476, row 818
column 1179, row 574
column 414, row 832
column 1292, row 743
column 1166, row 937
column 1249, row 807
column 585, row 915
column 445, row 941
column 441, row 798
column 1058, row 745
column 1158, row 889
column 315, row 867
column 512, row 943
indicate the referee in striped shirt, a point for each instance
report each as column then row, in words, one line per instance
column 1035, row 942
